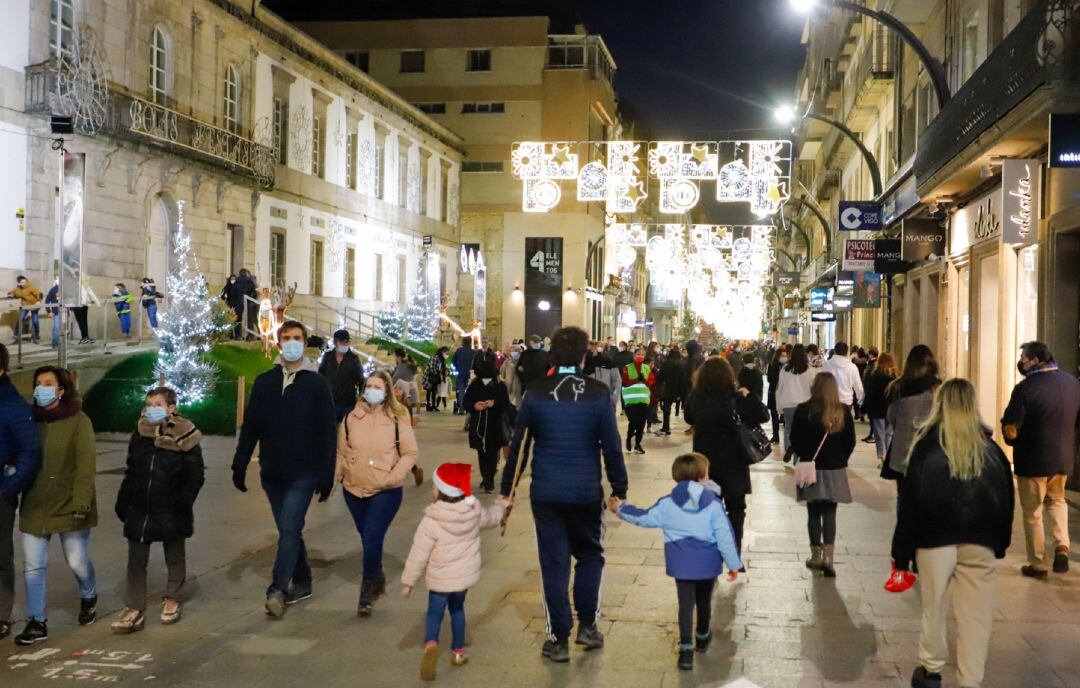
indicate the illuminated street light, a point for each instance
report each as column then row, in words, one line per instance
column 933, row 67
column 786, row 114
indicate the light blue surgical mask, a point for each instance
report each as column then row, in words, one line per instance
column 343, row 349
column 155, row 414
column 537, row 346
column 44, row 396
column 374, row 396
column 292, row 350
column 515, row 355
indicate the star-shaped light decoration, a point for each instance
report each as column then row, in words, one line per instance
column 634, row 192
column 700, row 153
column 560, row 153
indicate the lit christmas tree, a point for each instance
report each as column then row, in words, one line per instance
column 187, row 328
column 422, row 316
column 391, row 322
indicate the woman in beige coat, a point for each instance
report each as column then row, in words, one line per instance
column 376, row 451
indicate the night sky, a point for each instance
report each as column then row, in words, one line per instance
column 692, row 69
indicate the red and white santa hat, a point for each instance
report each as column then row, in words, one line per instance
column 454, row 480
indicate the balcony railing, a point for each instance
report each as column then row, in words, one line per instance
column 1042, row 49
column 135, row 119
column 580, row 52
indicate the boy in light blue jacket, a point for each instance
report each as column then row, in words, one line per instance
column 698, row 542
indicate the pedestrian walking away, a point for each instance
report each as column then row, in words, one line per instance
column 376, row 450
column 61, row 501
column 847, row 376
column 572, row 417
column 462, row 361
column 671, row 385
column 876, row 403
column 290, row 415
column 823, row 438
column 698, row 543
column 156, row 503
column 954, row 519
column 447, row 547
column 20, row 459
column 1040, row 424
column 908, row 398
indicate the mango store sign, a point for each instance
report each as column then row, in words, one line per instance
column 1021, row 201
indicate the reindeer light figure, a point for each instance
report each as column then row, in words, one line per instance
column 273, row 302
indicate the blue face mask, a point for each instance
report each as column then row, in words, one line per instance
column 155, row 414
column 44, row 396
column 537, row 346
column 374, row 396
column 343, row 349
column 292, row 350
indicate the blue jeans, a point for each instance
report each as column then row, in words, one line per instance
column 56, row 330
column 437, row 603
column 32, row 316
column 789, row 420
column 125, row 322
column 151, row 312
column 289, row 502
column 76, row 546
column 372, row 516
column 882, row 435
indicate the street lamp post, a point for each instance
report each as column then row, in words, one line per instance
column 933, row 67
column 787, row 114
column 816, row 211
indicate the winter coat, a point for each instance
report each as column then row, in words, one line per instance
column 20, row 446
column 794, row 388
column 735, row 359
column 369, row 458
column 694, row 359
column 294, row 427
column 772, row 376
column 486, row 427
column 508, row 375
column 406, row 370
column 345, row 378
column 123, row 302
column 571, row 418
column 601, row 367
column 64, row 485
column 163, row 477
column 28, row 295
column 936, row 510
column 244, row 286
column 435, row 374
column 621, row 359
column 876, row 403
column 447, row 545
column 907, row 408
column 1045, row 408
column 807, row 432
column 750, row 378
column 698, row 539
column 462, row 361
column 671, row 380
column 53, row 297
column 713, row 415
column 150, row 295
column 532, row 366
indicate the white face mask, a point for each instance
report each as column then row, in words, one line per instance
column 374, row 396
column 343, row 348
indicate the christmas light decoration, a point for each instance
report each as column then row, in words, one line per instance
column 186, row 330
column 473, row 334
column 391, row 322
column 422, row 316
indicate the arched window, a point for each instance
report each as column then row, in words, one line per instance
column 61, row 21
column 160, row 59
column 232, row 99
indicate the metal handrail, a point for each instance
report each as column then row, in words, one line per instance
column 372, row 328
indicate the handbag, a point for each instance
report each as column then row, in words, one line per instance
column 806, row 471
column 753, row 441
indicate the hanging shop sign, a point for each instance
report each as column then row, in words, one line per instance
column 822, row 316
column 819, row 298
column 1021, row 185
column 889, row 257
column 860, row 216
column 843, row 297
column 1065, row 139
column 858, row 255
column 922, row 239
column 785, row 279
column 543, row 261
column 866, row 292
column 69, row 245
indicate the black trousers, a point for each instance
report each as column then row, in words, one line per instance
column 638, row 415
column 666, row 406
column 694, row 593
column 488, row 460
column 774, row 414
column 139, row 556
column 821, row 522
column 565, row 531
column 8, row 506
column 80, row 320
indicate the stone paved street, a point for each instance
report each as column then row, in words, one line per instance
column 778, row 626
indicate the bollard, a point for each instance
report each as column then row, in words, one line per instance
column 240, row 380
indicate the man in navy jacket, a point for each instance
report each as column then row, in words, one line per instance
column 291, row 417
column 20, row 458
column 572, row 419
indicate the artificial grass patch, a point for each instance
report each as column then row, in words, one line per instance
column 428, row 347
column 115, row 402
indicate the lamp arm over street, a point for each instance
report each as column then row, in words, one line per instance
column 816, row 211
column 871, row 161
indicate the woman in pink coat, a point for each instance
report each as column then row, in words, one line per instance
column 447, row 544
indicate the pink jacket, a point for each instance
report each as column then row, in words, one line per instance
column 368, row 461
column 447, row 543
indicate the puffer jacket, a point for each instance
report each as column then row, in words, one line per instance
column 909, row 407
column 157, row 497
column 447, row 545
column 369, row 459
column 937, row 510
column 28, row 295
column 698, row 539
column 20, row 447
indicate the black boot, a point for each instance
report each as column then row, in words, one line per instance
column 924, row 679
column 629, row 444
column 686, row 659
column 363, row 607
column 88, row 611
column 557, row 651
column 378, row 586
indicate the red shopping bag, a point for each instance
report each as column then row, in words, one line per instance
column 900, row 581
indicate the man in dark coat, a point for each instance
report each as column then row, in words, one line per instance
column 573, row 420
column 534, row 362
column 291, row 417
column 20, row 459
column 1040, row 423
column 344, row 370
column 243, row 287
column 462, row 360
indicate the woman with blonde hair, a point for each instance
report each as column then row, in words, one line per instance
column 822, row 437
column 955, row 518
column 376, row 450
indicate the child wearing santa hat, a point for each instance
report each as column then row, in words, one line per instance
column 447, row 545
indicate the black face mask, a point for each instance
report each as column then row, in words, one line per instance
column 1020, row 367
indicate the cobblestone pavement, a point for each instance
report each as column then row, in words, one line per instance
column 777, row 626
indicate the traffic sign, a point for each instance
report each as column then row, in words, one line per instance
column 860, row 216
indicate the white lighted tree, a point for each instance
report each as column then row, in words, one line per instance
column 422, row 315
column 391, row 322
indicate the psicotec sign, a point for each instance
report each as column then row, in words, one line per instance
column 858, row 255
column 922, row 239
column 1021, row 185
column 860, row 216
